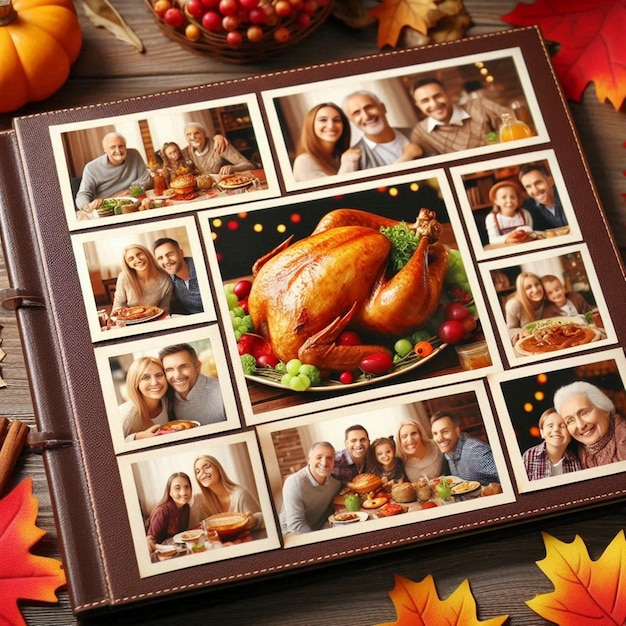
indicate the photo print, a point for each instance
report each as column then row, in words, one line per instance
column 547, row 304
column 161, row 162
column 387, row 463
column 143, row 278
column 390, row 121
column 515, row 204
column 197, row 503
column 564, row 421
column 159, row 390
column 340, row 289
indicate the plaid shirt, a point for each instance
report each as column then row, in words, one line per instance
column 472, row 459
column 345, row 468
column 188, row 293
column 538, row 465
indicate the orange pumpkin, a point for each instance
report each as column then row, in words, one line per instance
column 39, row 41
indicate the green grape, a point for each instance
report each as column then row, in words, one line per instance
column 293, row 366
column 312, row 373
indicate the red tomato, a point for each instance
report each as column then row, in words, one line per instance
column 267, row 359
column 246, row 344
column 451, row 331
column 346, row 378
column 175, row 18
column 377, row 363
column 456, row 311
column 349, row 338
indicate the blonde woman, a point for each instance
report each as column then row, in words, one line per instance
column 219, row 494
column 141, row 281
column 147, row 407
column 419, row 453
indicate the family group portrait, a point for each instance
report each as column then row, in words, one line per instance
column 376, row 122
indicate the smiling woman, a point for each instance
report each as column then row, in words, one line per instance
column 593, row 422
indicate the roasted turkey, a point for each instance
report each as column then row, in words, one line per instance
column 304, row 295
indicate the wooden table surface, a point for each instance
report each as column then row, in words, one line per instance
column 500, row 565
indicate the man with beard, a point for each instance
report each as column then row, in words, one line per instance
column 543, row 202
column 381, row 144
column 355, row 458
column 195, row 396
column 449, row 127
column 209, row 155
column 181, row 269
column 468, row 458
column 308, row 494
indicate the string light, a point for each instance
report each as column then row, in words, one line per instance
column 281, row 228
column 217, row 223
column 528, row 407
column 258, row 228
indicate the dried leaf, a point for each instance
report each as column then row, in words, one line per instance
column 23, row 576
column 423, row 16
column 586, row 592
column 591, row 36
column 417, row 604
column 102, row 14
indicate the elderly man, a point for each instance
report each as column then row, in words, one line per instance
column 211, row 156
column 381, row 144
column 195, row 396
column 449, row 127
column 355, row 458
column 112, row 173
column 308, row 494
column 182, row 270
column 543, row 202
column 468, row 458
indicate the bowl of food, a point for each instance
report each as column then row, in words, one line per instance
column 184, row 184
column 227, row 525
column 176, row 426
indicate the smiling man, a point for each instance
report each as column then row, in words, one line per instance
column 543, row 202
column 111, row 174
column 381, row 144
column 468, row 458
column 308, row 494
column 447, row 126
column 181, row 269
column 195, row 396
column 355, row 458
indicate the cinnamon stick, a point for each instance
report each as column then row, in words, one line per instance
column 12, row 444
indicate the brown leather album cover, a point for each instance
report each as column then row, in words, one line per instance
column 297, row 318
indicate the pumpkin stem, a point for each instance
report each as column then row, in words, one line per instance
column 7, row 12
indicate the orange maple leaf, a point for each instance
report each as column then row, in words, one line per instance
column 417, row 604
column 22, row 574
column 591, row 35
column 394, row 15
column 586, row 592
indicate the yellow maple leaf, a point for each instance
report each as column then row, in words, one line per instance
column 585, row 592
column 417, row 604
column 394, row 15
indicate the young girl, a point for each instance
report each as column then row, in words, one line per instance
column 171, row 514
column 508, row 222
column 174, row 162
column 387, row 465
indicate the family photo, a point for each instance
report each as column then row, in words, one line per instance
column 395, row 121
column 281, row 269
column 161, row 391
column 568, row 419
column 140, row 275
column 130, row 166
column 204, row 502
column 381, row 463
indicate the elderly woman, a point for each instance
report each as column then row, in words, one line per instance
column 592, row 421
column 419, row 453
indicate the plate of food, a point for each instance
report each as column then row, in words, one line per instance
column 177, row 426
column 117, row 206
column 188, row 535
column 390, row 509
column 347, row 517
column 466, row 486
column 136, row 314
column 555, row 333
column 236, row 181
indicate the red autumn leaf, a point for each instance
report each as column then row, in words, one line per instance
column 417, row 604
column 394, row 15
column 586, row 592
column 591, row 38
column 23, row 576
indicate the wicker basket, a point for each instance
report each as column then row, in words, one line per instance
column 214, row 44
column 404, row 492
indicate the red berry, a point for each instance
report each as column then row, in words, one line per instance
column 254, row 33
column 346, row 378
column 377, row 363
column 249, row 4
column 456, row 311
column 451, row 331
column 242, row 287
column 281, row 35
column 349, row 338
column 195, row 8
column 229, row 7
column 257, row 16
column 212, row 21
column 283, row 8
column 175, row 18
column 267, row 359
column 230, row 23
column 234, row 38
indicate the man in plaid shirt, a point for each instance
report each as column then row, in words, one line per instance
column 468, row 458
column 355, row 458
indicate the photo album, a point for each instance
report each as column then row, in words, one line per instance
column 279, row 322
